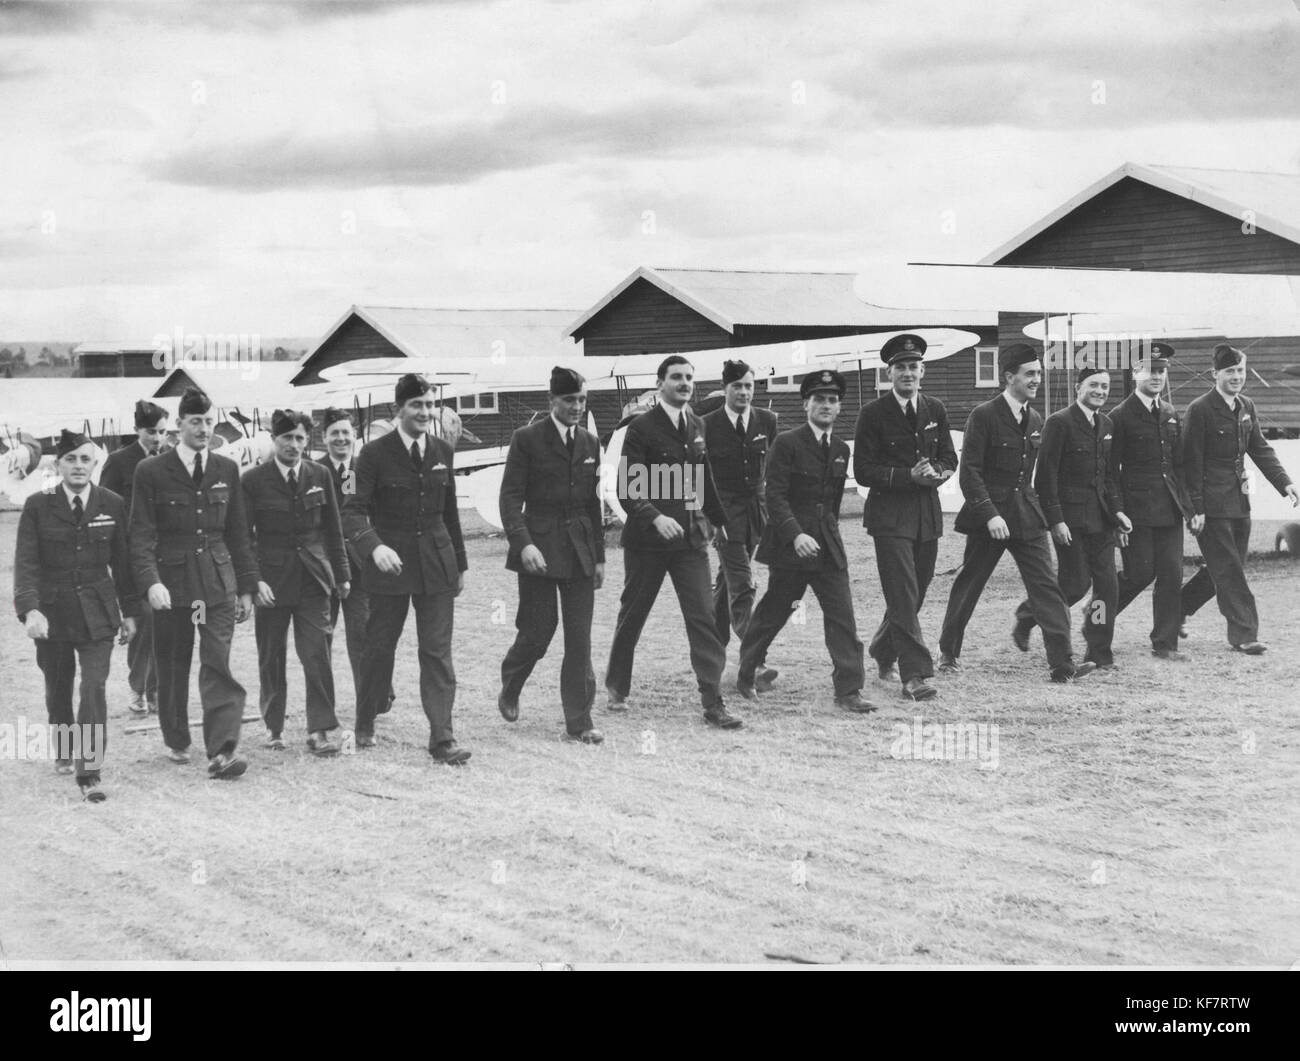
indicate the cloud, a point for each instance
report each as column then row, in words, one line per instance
column 32, row 18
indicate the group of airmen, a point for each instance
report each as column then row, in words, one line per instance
column 173, row 542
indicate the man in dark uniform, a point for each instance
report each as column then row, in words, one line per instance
column 1002, row 514
column 190, row 553
column 663, row 482
column 119, row 475
column 1222, row 430
column 551, row 512
column 73, row 592
column 1147, row 465
column 903, row 452
column 738, row 438
column 1079, row 498
column 293, row 521
column 403, row 521
column 802, row 546
column 340, row 442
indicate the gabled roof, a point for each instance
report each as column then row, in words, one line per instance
column 731, row 297
column 423, row 331
column 1273, row 198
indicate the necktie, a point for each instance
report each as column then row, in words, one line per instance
column 681, row 425
column 826, row 449
column 198, row 468
column 1024, row 418
column 77, row 510
column 740, row 428
column 340, row 470
column 911, row 415
column 293, row 481
column 568, row 441
column 1155, row 411
column 415, row 455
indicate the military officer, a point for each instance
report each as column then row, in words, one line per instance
column 738, row 437
column 190, row 553
column 340, row 443
column 1002, row 514
column 118, row 475
column 667, row 491
column 903, row 452
column 403, row 521
column 802, row 546
column 1222, row 430
column 1079, row 498
column 552, row 515
column 1147, row 466
column 73, row 593
column 293, row 522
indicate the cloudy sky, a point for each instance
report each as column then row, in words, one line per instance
column 258, row 167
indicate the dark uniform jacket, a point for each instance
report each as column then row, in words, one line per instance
column 884, row 452
column 1146, row 460
column 661, row 473
column 119, row 471
column 344, row 485
column 194, row 540
column 552, row 500
column 803, row 497
column 1074, row 481
column 413, row 513
column 997, row 471
column 297, row 536
column 738, row 469
column 1215, row 445
column 62, row 569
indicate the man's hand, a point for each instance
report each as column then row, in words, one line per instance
column 159, row 599
column 600, row 575
column 998, row 529
column 533, row 560
column 265, row 596
column 460, row 582
column 1122, row 537
column 668, row 528
column 343, row 589
column 38, row 627
column 806, row 547
column 1197, row 523
column 1061, row 534
column 922, row 473
column 1293, row 494
column 722, row 536
column 126, row 632
column 387, row 560
column 1125, row 524
column 243, row 607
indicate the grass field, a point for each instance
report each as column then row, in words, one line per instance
column 1142, row 817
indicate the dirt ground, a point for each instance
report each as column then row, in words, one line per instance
column 1145, row 817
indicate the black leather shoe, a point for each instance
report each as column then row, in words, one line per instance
column 587, row 736
column 1065, row 675
column 854, row 702
column 1171, row 654
column 226, row 768
column 919, row 689
column 746, row 688
column 1020, row 635
column 448, row 753
column 763, row 682
column 322, row 747
column 1251, row 648
column 616, row 702
column 949, row 664
column 63, row 766
column 364, row 740
column 509, row 708
column 137, row 706
column 91, row 792
column 275, row 742
column 178, row 755
column 719, row 716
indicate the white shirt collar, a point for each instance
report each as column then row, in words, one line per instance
column 733, row 417
column 902, row 402
column 563, row 429
column 1145, row 400
column 285, row 469
column 818, row 432
column 1228, row 399
column 1015, row 405
column 675, row 415
column 84, row 495
column 408, row 439
column 187, row 456
column 1088, row 413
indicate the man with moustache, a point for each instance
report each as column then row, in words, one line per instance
column 1222, row 430
column 73, row 592
column 903, row 452
column 738, row 437
column 1002, row 514
column 551, row 512
column 119, row 475
column 340, row 443
column 1147, row 465
column 802, row 546
column 1079, row 498
column 293, row 521
column 190, row 552
column 664, row 481
column 403, row 521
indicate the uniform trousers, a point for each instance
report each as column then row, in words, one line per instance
column 1155, row 554
column 142, row 674
column 905, row 566
column 1224, row 543
column 58, row 662
column 1088, row 561
column 541, row 603
column 734, row 589
column 220, row 694
column 311, row 639
column 434, row 621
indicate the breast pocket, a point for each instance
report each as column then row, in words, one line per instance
column 1222, row 443
column 101, row 542
column 1007, row 455
column 313, row 507
column 175, row 512
column 216, row 501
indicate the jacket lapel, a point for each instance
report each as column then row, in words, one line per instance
column 58, row 504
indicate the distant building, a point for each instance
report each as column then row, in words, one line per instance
column 115, row 359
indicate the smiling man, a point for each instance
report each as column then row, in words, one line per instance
column 1222, row 430
column 403, row 521
column 1077, row 492
column 1002, row 514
